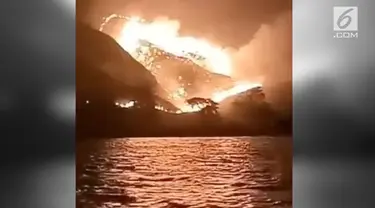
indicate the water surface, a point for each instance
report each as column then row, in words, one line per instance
column 184, row 172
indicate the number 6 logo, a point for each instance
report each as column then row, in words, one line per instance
column 344, row 16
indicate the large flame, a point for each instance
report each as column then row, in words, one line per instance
column 164, row 33
column 238, row 88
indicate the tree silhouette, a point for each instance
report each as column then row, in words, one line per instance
column 197, row 101
column 211, row 102
column 210, row 110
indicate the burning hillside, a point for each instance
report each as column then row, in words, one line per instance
column 181, row 76
column 185, row 67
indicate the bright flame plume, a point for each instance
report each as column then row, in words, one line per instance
column 164, row 34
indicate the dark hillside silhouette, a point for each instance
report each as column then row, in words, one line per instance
column 105, row 74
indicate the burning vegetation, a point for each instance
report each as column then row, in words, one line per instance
column 168, row 84
column 185, row 67
column 145, row 78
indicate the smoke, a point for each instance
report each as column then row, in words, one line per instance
column 268, row 55
column 261, row 48
column 259, row 41
column 229, row 22
column 266, row 58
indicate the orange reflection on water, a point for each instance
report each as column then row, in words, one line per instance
column 178, row 172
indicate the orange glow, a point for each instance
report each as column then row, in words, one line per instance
column 238, row 88
column 164, row 34
column 216, row 97
column 186, row 108
column 128, row 104
column 220, row 96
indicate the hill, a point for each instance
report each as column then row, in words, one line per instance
column 269, row 106
column 183, row 77
column 105, row 72
column 176, row 72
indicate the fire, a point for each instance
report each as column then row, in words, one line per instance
column 179, row 93
column 238, row 88
column 189, row 109
column 220, row 96
column 131, row 104
column 128, row 104
column 216, row 97
column 164, row 34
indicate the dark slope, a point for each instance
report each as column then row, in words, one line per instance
column 104, row 71
column 102, row 51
